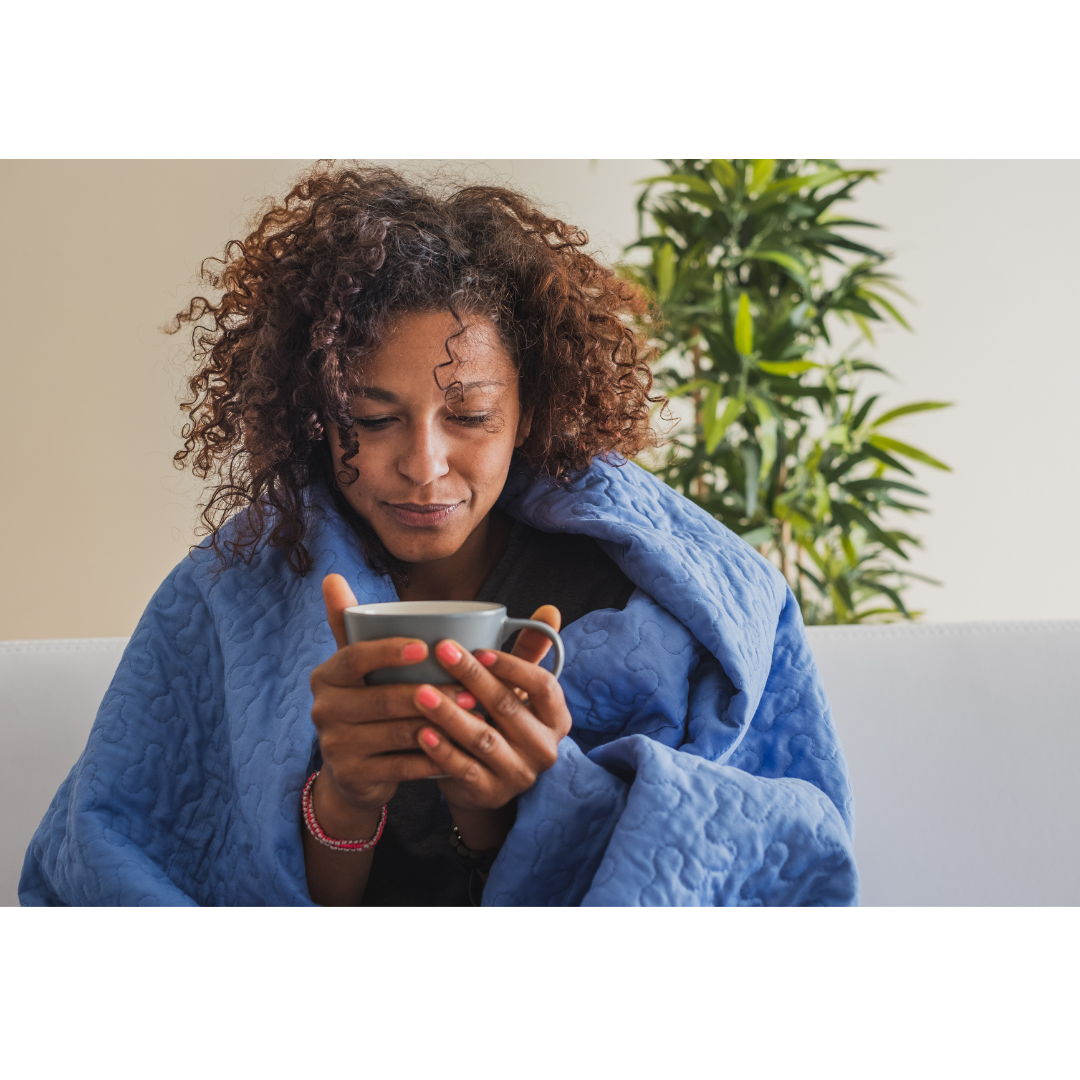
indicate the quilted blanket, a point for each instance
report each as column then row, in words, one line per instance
column 703, row 766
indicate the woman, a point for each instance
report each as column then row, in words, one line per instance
column 408, row 396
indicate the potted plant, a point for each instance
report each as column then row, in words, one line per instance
column 755, row 274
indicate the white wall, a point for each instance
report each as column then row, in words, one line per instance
column 98, row 254
column 988, row 250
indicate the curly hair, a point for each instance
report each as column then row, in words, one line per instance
column 314, row 290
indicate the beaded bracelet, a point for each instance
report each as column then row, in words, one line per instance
column 312, row 822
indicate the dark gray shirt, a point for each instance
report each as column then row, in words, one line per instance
column 414, row 864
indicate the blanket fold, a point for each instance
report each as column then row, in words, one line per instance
column 703, row 766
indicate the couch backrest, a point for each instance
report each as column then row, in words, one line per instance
column 49, row 695
column 962, row 740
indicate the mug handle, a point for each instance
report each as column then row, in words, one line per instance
column 510, row 625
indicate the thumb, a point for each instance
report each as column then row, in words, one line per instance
column 337, row 596
column 531, row 645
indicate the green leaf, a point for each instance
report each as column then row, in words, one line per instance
column 786, row 367
column 708, row 415
column 664, row 268
column 885, row 459
column 892, row 594
column 857, row 420
column 691, row 387
column 809, row 182
column 752, row 468
column 792, row 265
column 897, row 447
column 756, row 537
column 719, row 429
column 767, row 435
column 849, row 550
column 864, row 326
column 914, row 407
column 761, row 172
column 840, row 586
column 744, row 327
column 818, row 583
column 788, row 513
column 764, row 410
column 723, row 172
column 873, row 530
column 696, row 183
column 860, row 487
column 866, row 294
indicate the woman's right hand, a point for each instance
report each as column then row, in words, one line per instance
column 367, row 734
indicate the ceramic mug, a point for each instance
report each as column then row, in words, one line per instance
column 471, row 623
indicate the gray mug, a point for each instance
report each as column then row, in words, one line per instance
column 471, row 623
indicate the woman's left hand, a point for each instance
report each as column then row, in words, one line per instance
column 492, row 763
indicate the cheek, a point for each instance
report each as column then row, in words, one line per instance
column 487, row 460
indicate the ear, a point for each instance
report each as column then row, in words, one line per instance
column 524, row 427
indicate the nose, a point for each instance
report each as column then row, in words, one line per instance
column 423, row 457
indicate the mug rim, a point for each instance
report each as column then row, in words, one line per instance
column 427, row 608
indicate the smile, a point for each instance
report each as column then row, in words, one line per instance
column 421, row 515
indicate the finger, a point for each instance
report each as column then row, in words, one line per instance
column 545, row 696
column 337, row 596
column 397, row 767
column 351, row 663
column 531, row 645
column 474, row 735
column 513, row 718
column 455, row 764
column 349, row 706
column 371, row 740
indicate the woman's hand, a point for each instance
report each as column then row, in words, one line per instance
column 490, row 764
column 368, row 734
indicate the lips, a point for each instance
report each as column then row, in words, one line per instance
column 422, row 515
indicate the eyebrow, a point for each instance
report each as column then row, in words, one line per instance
column 377, row 393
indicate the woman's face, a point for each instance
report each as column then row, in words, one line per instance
column 429, row 471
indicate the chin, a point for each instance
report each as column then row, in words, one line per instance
column 418, row 549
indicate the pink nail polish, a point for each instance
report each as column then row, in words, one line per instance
column 413, row 651
column 486, row 658
column 429, row 737
column 450, row 653
column 466, row 701
column 427, row 697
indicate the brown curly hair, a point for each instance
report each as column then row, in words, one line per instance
column 313, row 290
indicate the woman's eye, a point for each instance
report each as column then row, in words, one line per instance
column 375, row 424
column 476, row 420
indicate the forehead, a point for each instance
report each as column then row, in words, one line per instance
column 420, row 347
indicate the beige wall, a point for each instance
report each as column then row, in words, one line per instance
column 97, row 255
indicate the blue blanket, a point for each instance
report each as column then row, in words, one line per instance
column 703, row 766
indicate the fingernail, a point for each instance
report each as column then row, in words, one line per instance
column 486, row 658
column 429, row 737
column 466, row 701
column 427, row 697
column 450, row 653
column 413, row 651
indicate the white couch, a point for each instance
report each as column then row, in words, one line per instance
column 963, row 742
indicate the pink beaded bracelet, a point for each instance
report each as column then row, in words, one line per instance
column 315, row 829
